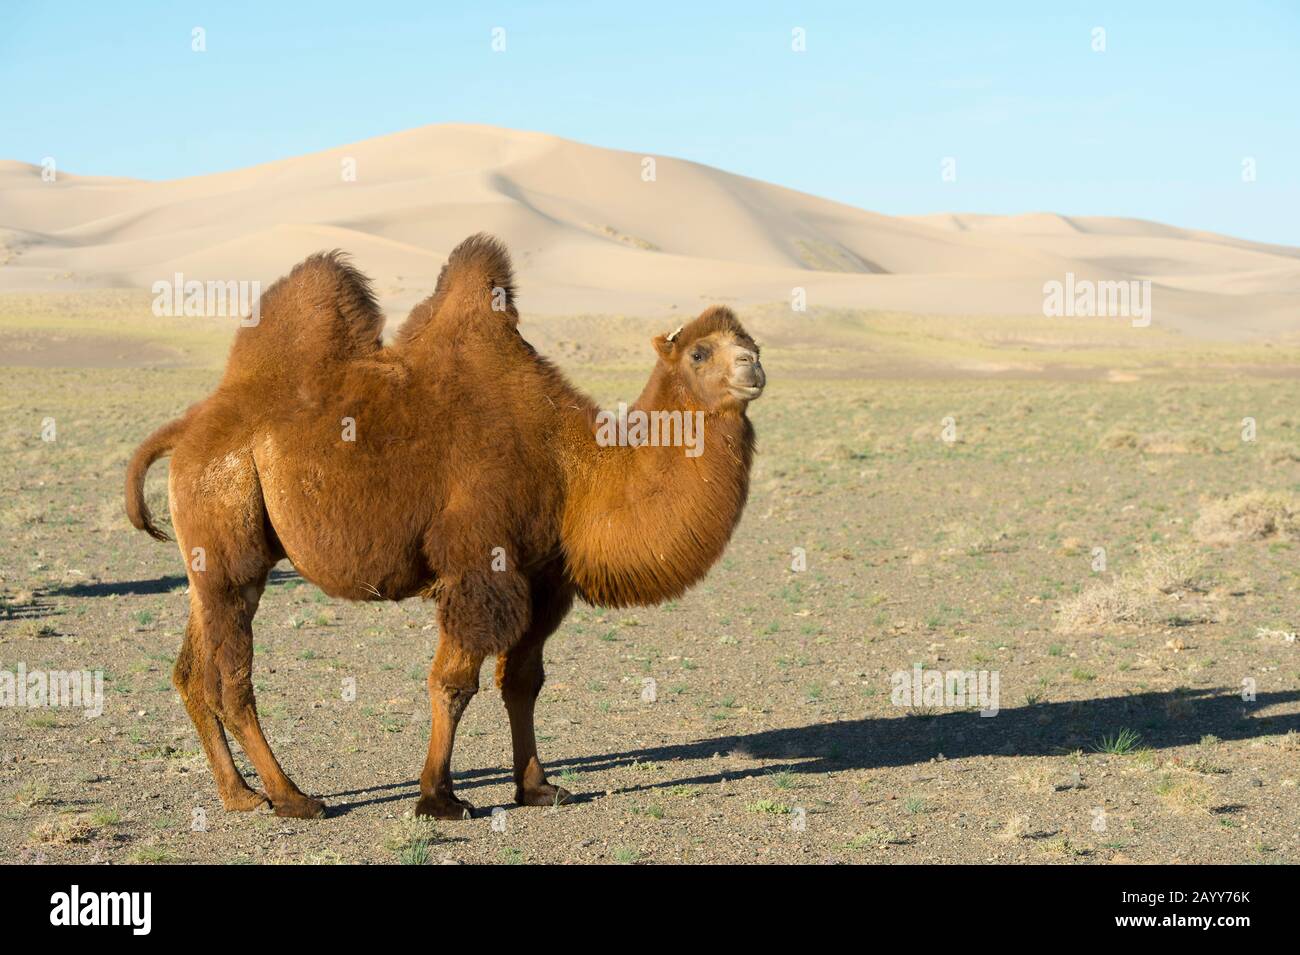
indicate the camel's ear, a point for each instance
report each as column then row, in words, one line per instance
column 664, row 344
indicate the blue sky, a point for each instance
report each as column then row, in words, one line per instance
column 1155, row 127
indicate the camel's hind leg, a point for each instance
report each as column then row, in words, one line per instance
column 227, row 615
column 520, row 676
column 187, row 676
column 216, row 504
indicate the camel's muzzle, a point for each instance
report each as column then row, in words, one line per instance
column 748, row 378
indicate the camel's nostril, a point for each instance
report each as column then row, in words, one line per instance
column 747, row 378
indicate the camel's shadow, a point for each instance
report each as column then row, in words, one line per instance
column 1162, row 719
column 156, row 585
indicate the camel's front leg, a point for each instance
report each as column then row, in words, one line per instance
column 453, row 681
column 520, row 675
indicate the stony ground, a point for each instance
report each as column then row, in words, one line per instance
column 878, row 537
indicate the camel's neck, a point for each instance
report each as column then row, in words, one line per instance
column 653, row 497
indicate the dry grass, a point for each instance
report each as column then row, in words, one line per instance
column 1170, row 570
column 1184, row 794
column 1160, row 442
column 64, row 830
column 1037, row 779
column 33, row 794
column 1141, row 596
column 1014, row 828
column 1072, row 547
column 1254, row 515
column 1118, row 438
column 411, row 840
column 1166, row 443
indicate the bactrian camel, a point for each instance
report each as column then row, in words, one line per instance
column 455, row 463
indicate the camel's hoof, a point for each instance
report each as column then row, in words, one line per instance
column 543, row 795
column 300, row 807
column 444, row 807
column 244, row 800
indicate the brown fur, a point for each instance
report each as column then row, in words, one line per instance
column 475, row 478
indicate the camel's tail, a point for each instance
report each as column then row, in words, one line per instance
column 157, row 445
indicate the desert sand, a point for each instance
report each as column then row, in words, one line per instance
column 591, row 235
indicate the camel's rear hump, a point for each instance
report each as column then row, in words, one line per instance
column 320, row 314
column 476, row 284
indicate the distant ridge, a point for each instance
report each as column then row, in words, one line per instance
column 588, row 233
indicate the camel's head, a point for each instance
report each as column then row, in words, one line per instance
column 715, row 361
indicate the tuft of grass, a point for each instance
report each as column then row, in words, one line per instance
column 412, row 839
column 64, row 829
column 1118, row 439
column 875, row 836
column 1014, row 828
column 1184, row 794
column 37, row 629
column 33, row 794
column 1122, row 743
column 1064, row 847
column 785, row 779
column 1037, row 779
column 323, row 857
column 105, row 817
column 768, row 806
column 153, row 854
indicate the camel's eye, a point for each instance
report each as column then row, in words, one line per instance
column 699, row 355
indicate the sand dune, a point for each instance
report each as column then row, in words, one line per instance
column 590, row 235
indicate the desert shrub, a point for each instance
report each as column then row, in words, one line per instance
column 1254, row 515
column 1116, row 439
column 1141, row 595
